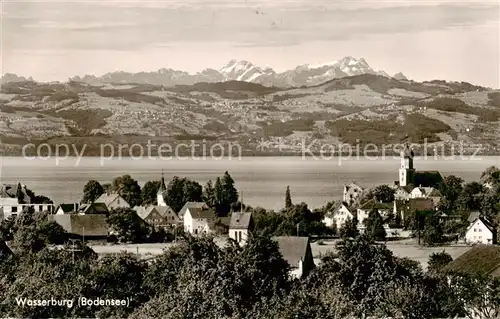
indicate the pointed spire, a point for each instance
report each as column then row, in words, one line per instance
column 241, row 202
column 163, row 188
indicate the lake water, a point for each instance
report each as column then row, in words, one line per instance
column 263, row 180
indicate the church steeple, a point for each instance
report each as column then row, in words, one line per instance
column 406, row 170
column 162, row 184
column 161, row 190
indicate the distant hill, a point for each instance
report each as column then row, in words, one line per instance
column 364, row 108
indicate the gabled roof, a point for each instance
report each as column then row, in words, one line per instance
column 94, row 208
column 486, row 223
column 68, row 208
column 374, row 204
column 83, row 225
column 10, row 191
column 163, row 211
column 479, row 260
column 192, row 206
column 293, row 249
column 107, row 199
column 240, row 220
column 429, row 191
column 428, row 178
column 353, row 185
column 337, row 207
column 473, row 216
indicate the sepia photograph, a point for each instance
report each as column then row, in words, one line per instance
column 250, row 159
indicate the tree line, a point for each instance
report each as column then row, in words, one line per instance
column 199, row 279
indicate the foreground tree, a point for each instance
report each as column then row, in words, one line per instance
column 438, row 261
column 127, row 226
column 208, row 195
column 182, row 190
column 128, row 188
column 384, row 193
column 349, row 229
column 91, row 191
column 226, row 195
column 375, row 225
column 149, row 193
column 288, row 198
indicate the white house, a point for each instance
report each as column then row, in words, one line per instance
column 338, row 216
column 198, row 220
column 192, row 207
column 10, row 204
column 239, row 227
column 352, row 193
column 481, row 231
column 364, row 211
column 112, row 201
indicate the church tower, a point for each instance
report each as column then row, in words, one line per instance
column 406, row 171
column 159, row 196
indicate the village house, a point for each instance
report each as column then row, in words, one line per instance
column 338, row 216
column 11, row 204
column 112, row 201
column 401, row 193
column 364, row 211
column 86, row 227
column 352, row 193
column 198, row 219
column 159, row 216
column 481, row 231
column 296, row 251
column 426, row 192
column 481, row 261
column 240, row 225
column 191, row 207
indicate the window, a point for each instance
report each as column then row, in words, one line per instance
column 14, row 209
column 479, row 230
column 40, row 208
column 118, row 201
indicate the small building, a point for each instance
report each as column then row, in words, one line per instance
column 192, row 207
column 401, row 193
column 338, row 215
column 427, row 192
column 352, row 193
column 87, row 227
column 480, row 260
column 481, row 231
column 364, row 211
column 112, row 201
column 67, row 208
column 197, row 220
column 240, row 225
column 159, row 216
column 296, row 251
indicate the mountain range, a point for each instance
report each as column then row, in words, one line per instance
column 234, row 70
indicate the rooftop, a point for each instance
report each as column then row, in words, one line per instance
column 479, row 260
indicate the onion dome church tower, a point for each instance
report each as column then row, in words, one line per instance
column 406, row 171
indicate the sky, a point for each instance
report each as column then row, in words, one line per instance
column 55, row 40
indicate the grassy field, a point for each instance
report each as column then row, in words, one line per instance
column 400, row 249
